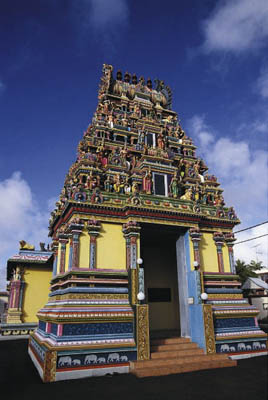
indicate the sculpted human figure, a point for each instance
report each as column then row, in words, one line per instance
column 160, row 141
column 147, row 182
column 174, row 186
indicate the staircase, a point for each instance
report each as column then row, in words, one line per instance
column 176, row 355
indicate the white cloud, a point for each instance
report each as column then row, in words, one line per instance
column 104, row 18
column 254, row 249
column 106, row 12
column 241, row 171
column 262, row 83
column 20, row 218
column 237, row 26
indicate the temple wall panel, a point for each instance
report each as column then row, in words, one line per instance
column 226, row 260
column 111, row 247
column 208, row 253
column 84, row 247
column 37, row 282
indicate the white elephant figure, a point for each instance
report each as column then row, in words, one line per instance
column 91, row 358
column 101, row 360
column 123, row 358
column 263, row 346
column 65, row 361
column 241, row 346
column 113, row 357
column 232, row 348
column 256, row 345
column 76, row 362
column 224, row 347
column 248, row 347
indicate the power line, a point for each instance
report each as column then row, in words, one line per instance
column 257, row 237
column 250, row 227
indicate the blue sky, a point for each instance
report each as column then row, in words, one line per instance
column 213, row 54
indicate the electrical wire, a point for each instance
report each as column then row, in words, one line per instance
column 250, row 227
column 257, row 237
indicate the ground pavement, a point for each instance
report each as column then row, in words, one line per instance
column 20, row 380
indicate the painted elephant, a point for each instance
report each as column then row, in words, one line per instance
column 123, row 358
column 67, row 360
column 113, row 357
column 256, row 345
column 232, row 348
column 248, row 347
column 76, row 362
column 101, row 360
column 224, row 347
column 92, row 358
column 241, row 346
column 263, row 346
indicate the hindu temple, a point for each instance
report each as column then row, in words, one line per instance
column 143, row 274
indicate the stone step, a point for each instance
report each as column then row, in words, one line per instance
column 177, row 353
column 173, row 340
column 180, row 368
column 163, row 362
column 174, row 347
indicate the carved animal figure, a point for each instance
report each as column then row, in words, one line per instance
column 224, row 347
column 241, row 346
column 91, row 358
column 263, row 346
column 256, row 345
column 76, row 362
column 248, row 347
column 113, row 357
column 26, row 246
column 232, row 348
column 65, row 361
column 101, row 360
column 123, row 358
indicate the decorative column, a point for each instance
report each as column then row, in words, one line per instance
column 63, row 240
column 131, row 232
column 142, row 332
column 93, row 228
column 15, row 298
column 55, row 248
column 229, row 240
column 195, row 235
column 219, row 241
column 75, row 229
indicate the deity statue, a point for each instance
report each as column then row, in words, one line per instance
column 174, row 186
column 16, row 274
column 160, row 141
column 187, row 195
column 118, row 184
column 141, row 135
column 135, row 188
column 147, row 182
column 108, row 186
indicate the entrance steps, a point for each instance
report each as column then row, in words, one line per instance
column 177, row 355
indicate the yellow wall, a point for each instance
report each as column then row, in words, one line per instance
column 37, row 282
column 58, row 260
column 208, row 253
column 84, row 249
column 111, row 247
column 226, row 261
column 67, row 255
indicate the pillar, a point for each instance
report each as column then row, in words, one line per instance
column 74, row 230
column 93, row 228
column 219, row 241
column 229, row 240
column 195, row 235
column 63, row 240
column 55, row 248
column 16, row 296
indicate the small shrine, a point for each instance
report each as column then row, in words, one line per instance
column 143, row 249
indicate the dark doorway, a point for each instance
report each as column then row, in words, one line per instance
column 158, row 251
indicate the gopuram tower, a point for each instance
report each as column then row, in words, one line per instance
column 143, row 249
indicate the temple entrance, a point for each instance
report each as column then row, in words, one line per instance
column 158, row 250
